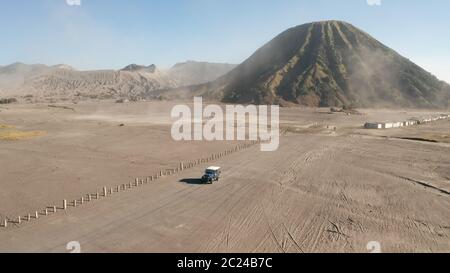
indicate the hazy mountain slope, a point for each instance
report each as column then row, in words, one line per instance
column 14, row 75
column 96, row 84
column 191, row 73
column 329, row 64
column 63, row 82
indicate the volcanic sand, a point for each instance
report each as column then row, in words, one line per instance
column 323, row 190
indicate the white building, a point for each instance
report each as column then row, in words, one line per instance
column 388, row 125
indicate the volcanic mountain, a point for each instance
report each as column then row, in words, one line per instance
column 328, row 63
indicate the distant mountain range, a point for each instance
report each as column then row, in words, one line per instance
column 328, row 63
column 320, row 64
column 61, row 82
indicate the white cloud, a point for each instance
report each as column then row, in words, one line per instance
column 374, row 2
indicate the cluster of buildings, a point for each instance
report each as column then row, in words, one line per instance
column 410, row 122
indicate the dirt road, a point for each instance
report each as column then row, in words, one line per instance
column 315, row 194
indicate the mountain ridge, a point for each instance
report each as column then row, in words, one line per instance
column 319, row 64
column 42, row 82
column 327, row 63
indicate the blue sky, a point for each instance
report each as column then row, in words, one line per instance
column 113, row 33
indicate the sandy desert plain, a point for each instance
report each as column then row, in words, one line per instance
column 323, row 190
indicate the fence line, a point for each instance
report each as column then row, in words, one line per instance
column 138, row 182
